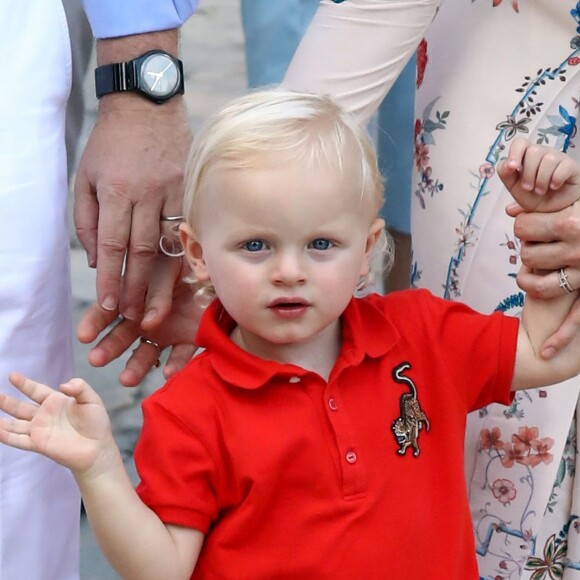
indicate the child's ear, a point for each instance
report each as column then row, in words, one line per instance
column 193, row 252
column 374, row 233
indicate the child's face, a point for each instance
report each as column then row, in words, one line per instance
column 284, row 247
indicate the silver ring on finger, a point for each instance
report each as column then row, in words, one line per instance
column 563, row 281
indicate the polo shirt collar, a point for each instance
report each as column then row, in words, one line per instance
column 366, row 331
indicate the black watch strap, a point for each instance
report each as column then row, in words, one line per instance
column 112, row 78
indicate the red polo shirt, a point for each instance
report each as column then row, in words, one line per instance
column 290, row 476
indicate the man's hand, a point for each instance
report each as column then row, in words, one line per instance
column 177, row 330
column 130, row 174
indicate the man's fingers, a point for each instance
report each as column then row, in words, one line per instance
column 141, row 255
column 113, row 238
column 93, row 321
column 160, row 291
column 86, row 217
column 180, row 355
column 114, row 343
column 142, row 360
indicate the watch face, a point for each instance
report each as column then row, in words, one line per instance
column 159, row 75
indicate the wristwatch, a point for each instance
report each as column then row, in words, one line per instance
column 156, row 75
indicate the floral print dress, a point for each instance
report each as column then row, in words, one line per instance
column 488, row 71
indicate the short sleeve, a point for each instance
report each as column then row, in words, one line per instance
column 476, row 351
column 178, row 476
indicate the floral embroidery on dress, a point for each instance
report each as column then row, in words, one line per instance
column 552, row 563
column 514, row 246
column 422, row 60
column 508, row 476
column 514, row 4
column 562, row 127
column 525, row 448
column 424, row 129
column 567, row 466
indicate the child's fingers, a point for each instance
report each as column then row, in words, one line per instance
column 530, row 165
column 36, row 392
column 15, row 433
column 508, row 171
column 566, row 171
column 16, row 408
column 517, row 152
column 547, row 166
column 81, row 391
column 17, row 440
column 16, row 426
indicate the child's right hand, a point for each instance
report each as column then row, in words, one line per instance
column 540, row 178
column 70, row 426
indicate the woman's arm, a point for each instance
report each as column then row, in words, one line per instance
column 356, row 49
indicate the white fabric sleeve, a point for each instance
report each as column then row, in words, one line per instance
column 354, row 50
column 112, row 18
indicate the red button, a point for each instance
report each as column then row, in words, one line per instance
column 332, row 404
column 351, row 457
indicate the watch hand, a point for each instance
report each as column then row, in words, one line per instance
column 158, row 77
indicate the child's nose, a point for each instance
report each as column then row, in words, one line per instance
column 289, row 269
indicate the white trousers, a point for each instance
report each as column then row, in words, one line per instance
column 39, row 501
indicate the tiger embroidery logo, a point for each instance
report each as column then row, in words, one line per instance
column 406, row 427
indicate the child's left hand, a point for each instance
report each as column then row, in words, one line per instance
column 69, row 426
column 539, row 178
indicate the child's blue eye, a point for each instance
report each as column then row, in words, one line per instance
column 254, row 245
column 320, row 244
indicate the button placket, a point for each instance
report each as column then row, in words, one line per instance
column 354, row 476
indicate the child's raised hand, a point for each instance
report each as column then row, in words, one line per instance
column 70, row 426
column 539, row 178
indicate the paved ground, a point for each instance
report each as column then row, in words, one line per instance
column 212, row 50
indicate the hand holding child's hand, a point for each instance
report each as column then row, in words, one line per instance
column 534, row 173
column 70, row 426
column 546, row 186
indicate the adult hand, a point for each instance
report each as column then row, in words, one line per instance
column 177, row 330
column 551, row 237
column 130, row 174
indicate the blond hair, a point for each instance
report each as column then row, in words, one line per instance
column 274, row 125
